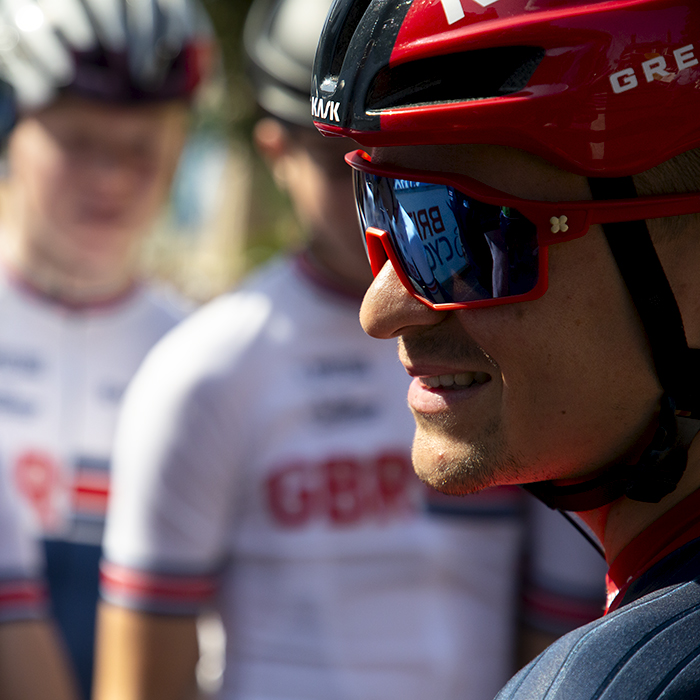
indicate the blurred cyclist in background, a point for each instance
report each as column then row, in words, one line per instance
column 262, row 465
column 103, row 92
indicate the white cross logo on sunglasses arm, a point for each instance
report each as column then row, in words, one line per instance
column 559, row 224
column 454, row 11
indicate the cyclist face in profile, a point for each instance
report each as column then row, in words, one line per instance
column 552, row 388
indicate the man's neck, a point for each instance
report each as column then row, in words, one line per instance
column 618, row 523
column 67, row 284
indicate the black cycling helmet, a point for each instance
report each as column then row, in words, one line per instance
column 125, row 52
column 280, row 38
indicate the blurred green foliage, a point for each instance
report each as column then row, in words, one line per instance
column 272, row 225
column 228, row 17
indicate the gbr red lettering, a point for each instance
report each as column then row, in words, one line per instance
column 343, row 490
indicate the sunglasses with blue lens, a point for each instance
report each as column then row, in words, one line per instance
column 456, row 243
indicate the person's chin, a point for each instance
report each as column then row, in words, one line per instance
column 448, row 464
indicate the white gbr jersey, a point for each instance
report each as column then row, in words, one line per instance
column 62, row 374
column 263, row 461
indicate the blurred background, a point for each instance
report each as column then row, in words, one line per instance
column 225, row 217
column 225, row 214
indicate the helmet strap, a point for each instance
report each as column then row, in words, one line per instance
column 677, row 366
column 659, row 469
column 653, row 476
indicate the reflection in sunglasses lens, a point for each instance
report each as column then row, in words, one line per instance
column 452, row 247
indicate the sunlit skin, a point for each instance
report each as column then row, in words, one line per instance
column 87, row 179
column 571, row 386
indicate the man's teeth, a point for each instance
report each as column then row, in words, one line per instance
column 462, row 379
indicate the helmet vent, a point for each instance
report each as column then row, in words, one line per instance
column 354, row 16
column 471, row 75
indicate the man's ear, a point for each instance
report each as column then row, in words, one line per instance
column 271, row 138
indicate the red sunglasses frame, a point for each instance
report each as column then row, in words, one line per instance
column 555, row 222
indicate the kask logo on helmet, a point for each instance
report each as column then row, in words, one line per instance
column 325, row 109
column 653, row 69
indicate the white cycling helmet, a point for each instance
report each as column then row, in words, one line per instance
column 103, row 49
column 280, row 38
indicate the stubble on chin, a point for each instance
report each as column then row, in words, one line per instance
column 457, row 468
column 447, row 455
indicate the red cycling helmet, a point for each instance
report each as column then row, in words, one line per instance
column 597, row 87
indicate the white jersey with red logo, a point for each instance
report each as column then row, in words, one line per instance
column 62, row 375
column 263, row 462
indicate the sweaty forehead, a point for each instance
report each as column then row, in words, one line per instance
column 508, row 169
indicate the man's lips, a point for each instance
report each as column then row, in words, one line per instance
column 434, row 392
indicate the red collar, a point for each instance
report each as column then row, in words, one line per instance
column 671, row 531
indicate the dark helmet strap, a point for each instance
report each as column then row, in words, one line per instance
column 658, row 471
column 677, row 366
column 653, row 476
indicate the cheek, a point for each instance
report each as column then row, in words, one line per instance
column 339, row 214
column 49, row 183
column 149, row 184
column 577, row 377
column 141, row 193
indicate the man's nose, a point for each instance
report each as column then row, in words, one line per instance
column 389, row 310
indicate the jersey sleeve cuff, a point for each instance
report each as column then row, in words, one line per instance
column 162, row 593
column 22, row 598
